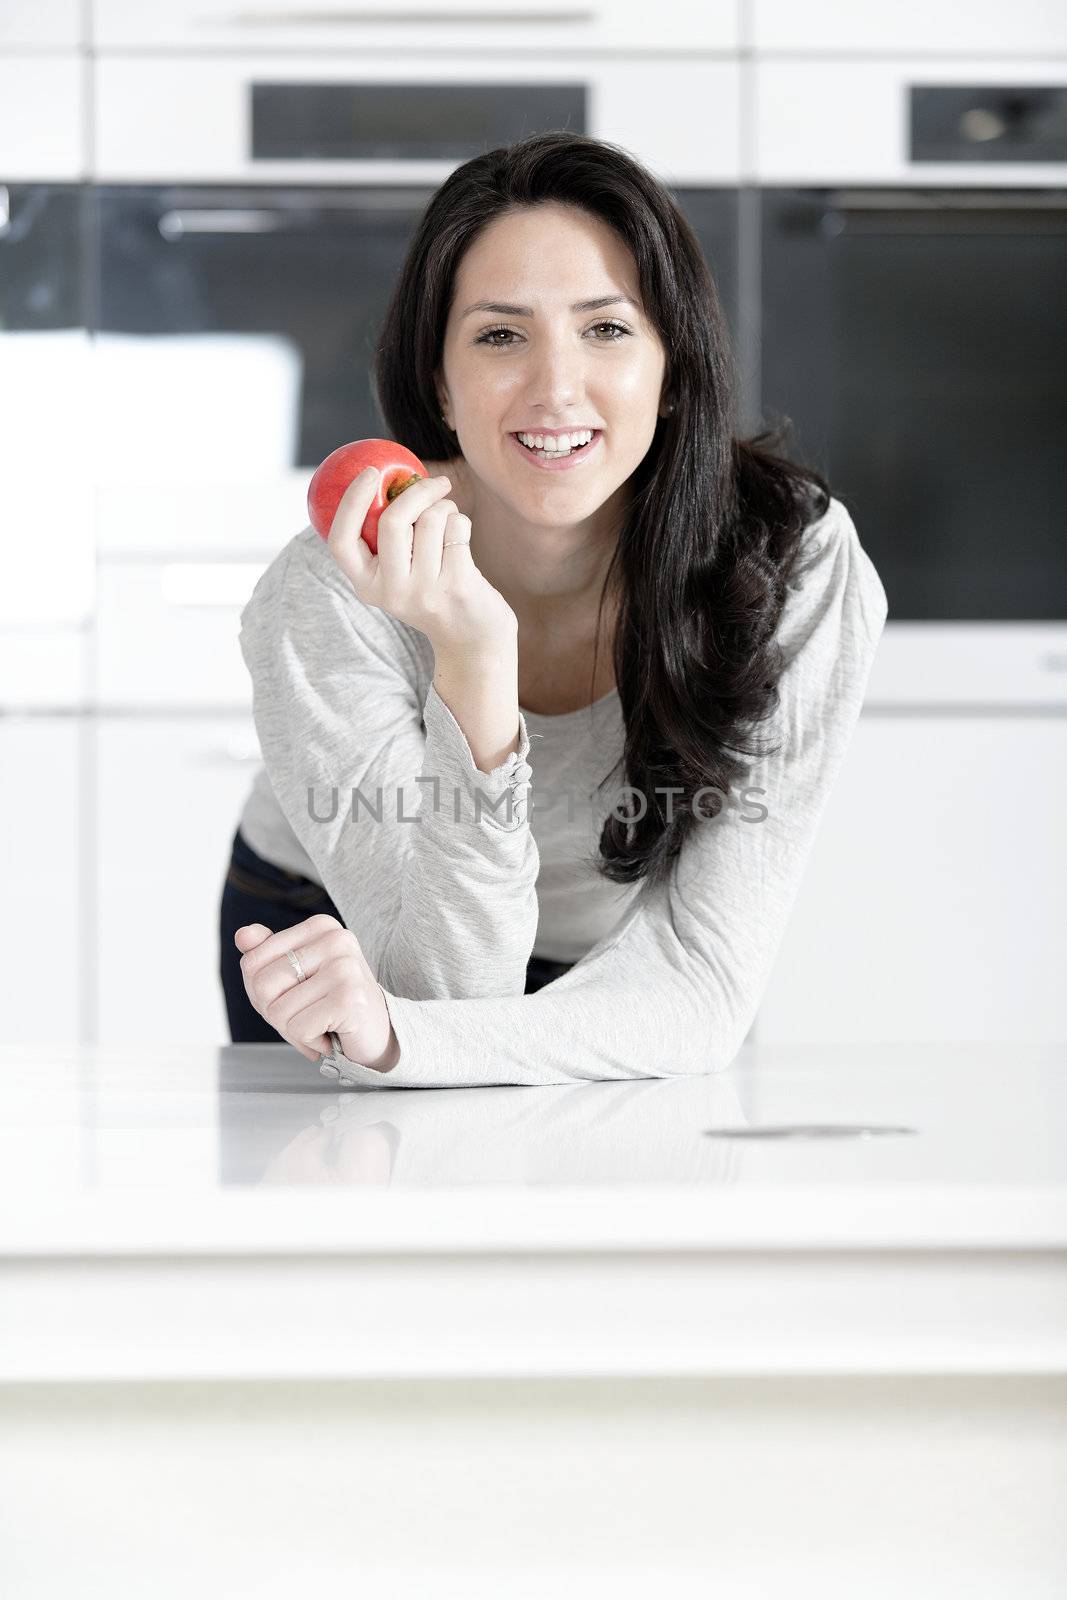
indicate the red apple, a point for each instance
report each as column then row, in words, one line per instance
column 399, row 469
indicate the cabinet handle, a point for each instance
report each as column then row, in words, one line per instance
column 422, row 19
column 885, row 212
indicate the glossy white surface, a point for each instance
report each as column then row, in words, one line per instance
column 202, row 1148
column 207, row 1212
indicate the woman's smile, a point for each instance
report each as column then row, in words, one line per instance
column 544, row 461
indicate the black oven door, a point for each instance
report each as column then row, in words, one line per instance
column 41, row 256
column 314, row 265
column 918, row 341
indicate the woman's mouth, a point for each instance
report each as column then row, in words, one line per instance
column 557, row 460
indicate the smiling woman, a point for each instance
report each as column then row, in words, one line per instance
column 554, row 410
column 517, row 258
column 614, row 509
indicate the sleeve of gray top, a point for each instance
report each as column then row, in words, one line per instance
column 674, row 988
column 430, row 861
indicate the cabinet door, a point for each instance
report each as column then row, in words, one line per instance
column 932, row 904
column 40, row 931
column 42, row 117
column 170, row 790
column 168, row 635
column 49, row 24
column 842, row 26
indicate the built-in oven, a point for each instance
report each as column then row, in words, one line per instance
column 913, row 251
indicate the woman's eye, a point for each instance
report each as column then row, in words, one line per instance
column 490, row 334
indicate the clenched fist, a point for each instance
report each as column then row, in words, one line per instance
column 337, row 994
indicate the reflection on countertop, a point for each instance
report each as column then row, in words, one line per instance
column 213, row 1146
column 272, row 1131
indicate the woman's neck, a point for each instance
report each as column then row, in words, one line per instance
column 556, row 600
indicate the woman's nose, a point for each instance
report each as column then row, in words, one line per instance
column 555, row 386
column 555, row 370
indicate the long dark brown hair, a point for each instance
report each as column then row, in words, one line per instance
column 715, row 522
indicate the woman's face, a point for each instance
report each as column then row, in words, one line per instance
column 543, row 366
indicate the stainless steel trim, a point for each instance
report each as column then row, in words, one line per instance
column 5, row 209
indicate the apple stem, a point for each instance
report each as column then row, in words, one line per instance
column 398, row 485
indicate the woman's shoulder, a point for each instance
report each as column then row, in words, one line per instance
column 832, row 573
column 822, row 538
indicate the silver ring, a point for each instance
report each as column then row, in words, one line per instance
column 294, row 961
column 452, row 541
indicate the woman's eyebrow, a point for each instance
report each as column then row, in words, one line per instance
column 499, row 307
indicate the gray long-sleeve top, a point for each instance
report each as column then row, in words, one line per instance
column 436, row 866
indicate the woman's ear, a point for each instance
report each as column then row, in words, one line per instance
column 442, row 402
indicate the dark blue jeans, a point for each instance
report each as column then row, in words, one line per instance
column 256, row 891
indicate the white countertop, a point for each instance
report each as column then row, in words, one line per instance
column 546, row 1229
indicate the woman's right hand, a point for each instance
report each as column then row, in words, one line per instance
column 414, row 577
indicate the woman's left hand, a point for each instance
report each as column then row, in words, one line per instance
column 338, row 993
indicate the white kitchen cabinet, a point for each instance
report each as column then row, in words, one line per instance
column 987, row 27
column 46, row 502
column 169, row 792
column 497, row 26
column 41, row 24
column 40, row 823
column 933, row 902
column 168, row 633
column 42, row 117
column 42, row 669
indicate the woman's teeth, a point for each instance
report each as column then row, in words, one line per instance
column 559, row 446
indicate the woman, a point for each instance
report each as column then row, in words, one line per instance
column 637, row 610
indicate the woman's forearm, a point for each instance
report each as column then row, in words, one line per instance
column 481, row 689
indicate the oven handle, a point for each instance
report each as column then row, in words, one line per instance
column 950, row 211
column 175, row 224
